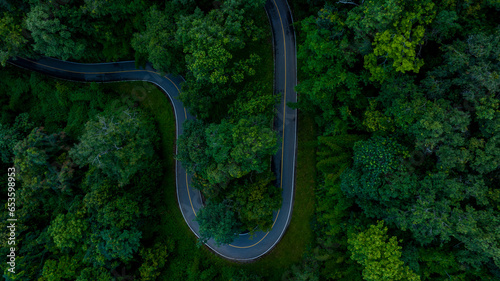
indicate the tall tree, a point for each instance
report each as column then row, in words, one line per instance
column 51, row 37
column 119, row 144
column 218, row 221
column 379, row 254
column 157, row 42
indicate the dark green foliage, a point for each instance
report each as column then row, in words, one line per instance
column 51, row 37
column 213, row 44
column 430, row 168
column 255, row 201
column 192, row 147
column 56, row 106
column 157, row 42
column 69, row 226
column 154, row 259
column 230, row 161
column 376, row 161
column 218, row 221
column 9, row 136
column 119, row 144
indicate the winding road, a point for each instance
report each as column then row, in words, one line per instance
column 285, row 123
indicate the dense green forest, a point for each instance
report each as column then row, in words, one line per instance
column 406, row 98
column 87, row 159
column 399, row 107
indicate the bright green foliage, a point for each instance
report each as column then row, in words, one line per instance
column 253, row 103
column 227, row 150
column 154, row 260
column 379, row 254
column 376, row 120
column 52, row 38
column 229, row 162
column 12, row 41
column 68, row 230
column 64, row 267
column 218, row 221
column 437, row 182
column 252, row 142
column 398, row 43
column 118, row 144
column 213, row 43
column 210, row 40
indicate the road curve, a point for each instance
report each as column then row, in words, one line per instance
column 285, row 123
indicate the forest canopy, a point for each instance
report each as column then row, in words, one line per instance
column 406, row 96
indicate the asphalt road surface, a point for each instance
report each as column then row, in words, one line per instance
column 243, row 248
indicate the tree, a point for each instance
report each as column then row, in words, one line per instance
column 192, row 147
column 255, row 200
column 398, row 44
column 95, row 273
column 218, row 221
column 68, row 230
column 46, row 172
column 328, row 64
column 154, row 260
column 157, row 42
column 52, row 38
column 12, row 41
column 116, row 9
column 226, row 150
column 9, row 136
column 65, row 267
column 253, row 103
column 210, row 39
column 238, row 148
column 335, row 152
column 119, row 145
column 211, row 42
column 377, row 162
column 379, row 254
column 108, row 245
